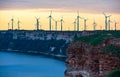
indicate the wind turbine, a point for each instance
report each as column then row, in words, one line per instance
column 109, row 21
column 12, row 23
column 115, row 25
column 106, row 21
column 74, row 25
column 8, row 25
column 85, row 20
column 78, row 25
column 18, row 24
column 56, row 22
column 37, row 23
column 94, row 25
column 61, row 22
column 50, row 21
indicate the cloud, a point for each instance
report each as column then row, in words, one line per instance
column 81, row 5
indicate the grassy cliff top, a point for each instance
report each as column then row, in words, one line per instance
column 98, row 37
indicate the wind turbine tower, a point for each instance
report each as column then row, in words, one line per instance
column 37, row 23
column 50, row 21
column 116, row 25
column 18, row 24
column 106, row 21
column 78, row 25
column 12, row 23
column 74, row 25
column 61, row 21
column 109, row 21
column 56, row 22
column 85, row 20
column 8, row 25
column 94, row 25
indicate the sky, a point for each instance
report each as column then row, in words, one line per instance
column 27, row 10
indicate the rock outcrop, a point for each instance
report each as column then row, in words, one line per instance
column 84, row 60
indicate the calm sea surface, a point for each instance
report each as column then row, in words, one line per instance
column 23, row 65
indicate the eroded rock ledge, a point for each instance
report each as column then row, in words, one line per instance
column 84, row 60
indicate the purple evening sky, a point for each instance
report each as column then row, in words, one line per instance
column 111, row 6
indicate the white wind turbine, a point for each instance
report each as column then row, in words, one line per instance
column 94, row 25
column 50, row 21
column 61, row 22
column 8, row 25
column 115, row 25
column 78, row 21
column 12, row 23
column 74, row 25
column 18, row 24
column 106, row 21
column 109, row 21
column 37, row 23
column 85, row 20
column 56, row 24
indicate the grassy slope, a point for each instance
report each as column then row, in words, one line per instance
column 96, row 39
column 92, row 40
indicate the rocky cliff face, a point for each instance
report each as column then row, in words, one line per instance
column 87, row 61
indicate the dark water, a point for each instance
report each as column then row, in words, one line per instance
column 22, row 65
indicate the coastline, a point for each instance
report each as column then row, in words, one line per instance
column 37, row 53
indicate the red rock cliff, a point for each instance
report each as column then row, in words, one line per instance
column 87, row 61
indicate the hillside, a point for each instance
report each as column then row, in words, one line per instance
column 100, row 38
column 94, row 55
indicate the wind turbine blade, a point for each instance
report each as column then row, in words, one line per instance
column 87, row 19
column 82, row 17
column 36, row 17
column 109, row 15
column 104, row 14
column 47, row 17
column 62, row 19
column 53, row 19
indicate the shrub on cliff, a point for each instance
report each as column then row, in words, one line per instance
column 93, row 39
column 112, row 49
column 98, row 38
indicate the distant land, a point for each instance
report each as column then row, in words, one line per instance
column 52, row 42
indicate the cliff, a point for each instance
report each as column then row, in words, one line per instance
column 85, row 60
column 35, row 42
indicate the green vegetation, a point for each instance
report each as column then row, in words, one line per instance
column 112, row 49
column 115, row 73
column 99, row 37
column 93, row 39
